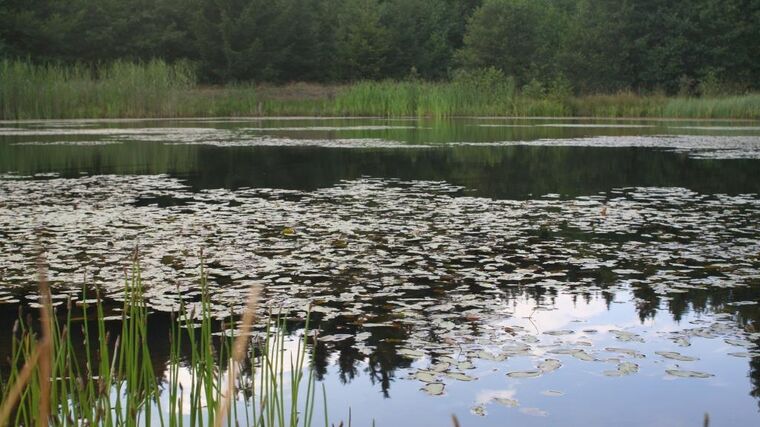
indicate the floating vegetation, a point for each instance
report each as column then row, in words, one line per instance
column 697, row 146
column 434, row 389
column 549, row 365
column 676, row 356
column 688, row 374
column 623, row 369
column 626, row 336
column 460, row 376
column 524, row 374
column 427, row 376
column 627, row 351
column 418, row 274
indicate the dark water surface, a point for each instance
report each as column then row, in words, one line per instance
column 508, row 271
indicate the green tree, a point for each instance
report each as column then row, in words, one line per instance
column 514, row 36
column 361, row 41
column 419, row 34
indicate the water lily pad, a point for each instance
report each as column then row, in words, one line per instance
column 582, row 355
column 485, row 355
column 549, row 365
column 749, row 354
column 426, row 376
column 627, row 336
column 434, row 389
column 623, row 369
column 479, row 410
column 465, row 365
column 460, row 376
column 524, row 374
column 560, row 332
column 688, row 374
column 440, row 367
column 412, row 354
column 627, row 351
column 676, row 356
column 739, row 343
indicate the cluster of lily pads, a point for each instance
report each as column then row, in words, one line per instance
column 446, row 271
column 698, row 146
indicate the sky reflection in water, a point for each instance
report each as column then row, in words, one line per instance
column 554, row 273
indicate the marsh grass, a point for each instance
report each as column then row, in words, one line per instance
column 56, row 380
column 159, row 89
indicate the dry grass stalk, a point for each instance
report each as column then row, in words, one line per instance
column 18, row 388
column 238, row 354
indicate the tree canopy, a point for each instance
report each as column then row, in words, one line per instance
column 595, row 45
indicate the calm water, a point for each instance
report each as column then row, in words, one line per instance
column 511, row 272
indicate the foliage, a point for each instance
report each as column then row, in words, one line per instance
column 104, row 379
column 158, row 89
column 599, row 46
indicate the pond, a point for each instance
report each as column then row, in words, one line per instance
column 509, row 271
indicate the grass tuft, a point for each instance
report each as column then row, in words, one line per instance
column 107, row 380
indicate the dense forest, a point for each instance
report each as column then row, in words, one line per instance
column 591, row 46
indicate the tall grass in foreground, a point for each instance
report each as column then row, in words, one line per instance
column 159, row 89
column 115, row 383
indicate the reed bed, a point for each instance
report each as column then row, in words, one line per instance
column 110, row 380
column 159, row 89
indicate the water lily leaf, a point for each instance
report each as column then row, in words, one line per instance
column 433, row 389
column 524, row 374
column 440, row 367
column 559, row 333
column 749, row 354
column 460, row 376
column 626, row 336
column 411, row 354
column 426, row 376
column 739, row 343
column 688, row 374
column 335, row 337
column 682, row 341
column 676, row 356
column 549, row 365
column 627, row 351
column 582, row 355
column 465, row 365
column 628, row 368
column 490, row 356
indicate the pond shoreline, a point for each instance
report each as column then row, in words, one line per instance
column 158, row 89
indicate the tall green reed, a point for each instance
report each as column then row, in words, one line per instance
column 158, row 89
column 110, row 380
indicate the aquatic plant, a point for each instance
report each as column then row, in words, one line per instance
column 159, row 89
column 109, row 379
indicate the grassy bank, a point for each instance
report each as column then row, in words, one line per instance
column 157, row 89
column 108, row 379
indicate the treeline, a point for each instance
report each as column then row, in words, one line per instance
column 586, row 46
